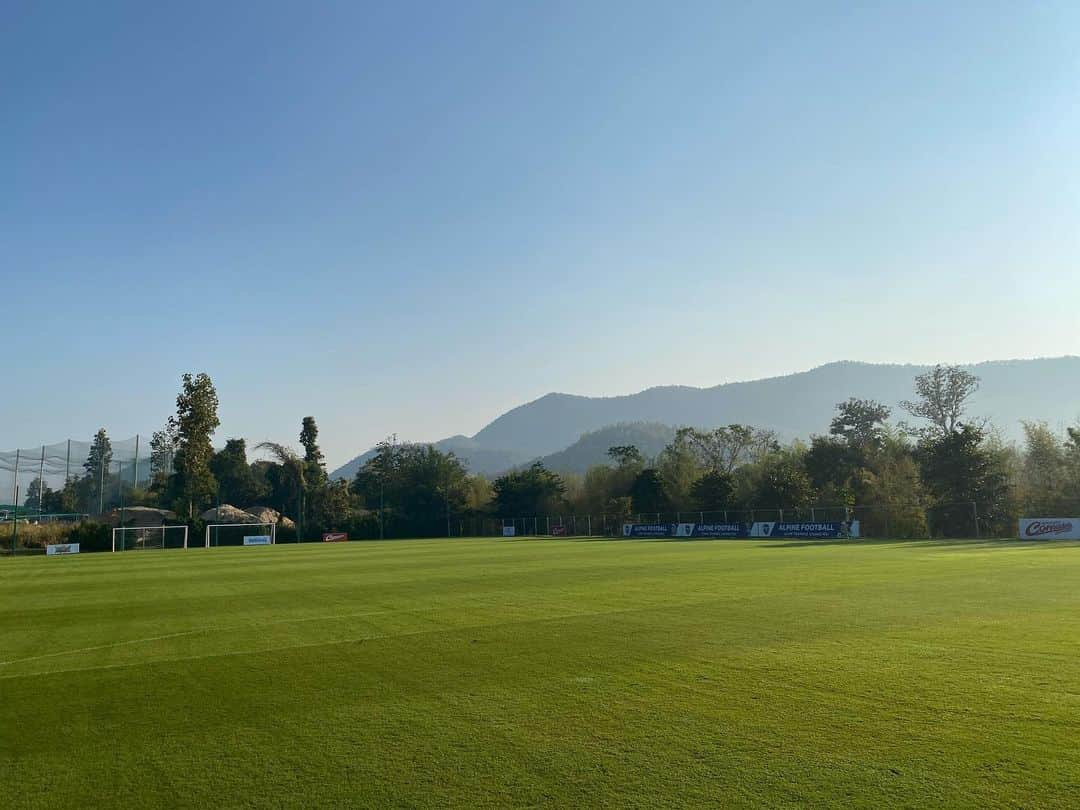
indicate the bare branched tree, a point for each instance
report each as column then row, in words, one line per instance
column 943, row 393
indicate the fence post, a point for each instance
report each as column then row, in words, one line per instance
column 975, row 515
column 588, row 525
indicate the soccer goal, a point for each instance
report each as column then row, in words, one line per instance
column 139, row 538
column 240, row 534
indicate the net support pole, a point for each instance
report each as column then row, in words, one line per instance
column 15, row 481
column 135, row 474
column 41, row 483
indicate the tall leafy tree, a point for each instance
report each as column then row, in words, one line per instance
column 964, row 479
column 313, row 457
column 725, row 448
column 99, row 459
column 162, row 451
column 535, row 490
column 713, row 490
column 416, row 486
column 287, row 476
column 648, row 494
column 237, row 483
column 860, row 423
column 942, row 396
column 680, row 466
column 782, row 482
column 36, row 494
column 196, row 421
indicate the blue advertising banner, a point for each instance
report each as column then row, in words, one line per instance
column 816, row 530
column 819, row 531
column 712, row 530
column 647, row 530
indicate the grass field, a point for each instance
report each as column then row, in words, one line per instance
column 554, row 672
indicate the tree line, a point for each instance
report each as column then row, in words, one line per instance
column 945, row 463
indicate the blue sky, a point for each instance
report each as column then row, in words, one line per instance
column 412, row 216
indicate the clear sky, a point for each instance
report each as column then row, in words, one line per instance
column 412, row 216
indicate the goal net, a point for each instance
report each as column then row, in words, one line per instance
column 139, row 538
column 240, row 534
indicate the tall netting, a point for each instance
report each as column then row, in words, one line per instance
column 74, row 477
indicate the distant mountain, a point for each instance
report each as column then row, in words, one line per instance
column 796, row 405
column 591, row 449
column 483, row 460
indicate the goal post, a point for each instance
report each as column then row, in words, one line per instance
column 240, row 534
column 141, row 538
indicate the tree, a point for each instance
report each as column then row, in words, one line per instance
column 99, row 460
column 647, row 492
column 964, row 480
column 196, row 421
column 943, row 393
column 287, row 478
column 36, row 494
column 532, row 491
column 725, row 448
column 860, row 423
column 832, row 462
column 162, row 450
column 237, row 483
column 332, row 507
column 626, row 455
column 1048, row 486
column 680, row 466
column 313, row 457
column 713, row 490
column 783, row 482
column 417, row 486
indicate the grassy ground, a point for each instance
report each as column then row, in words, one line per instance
column 553, row 672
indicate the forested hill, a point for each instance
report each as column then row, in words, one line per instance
column 796, row 405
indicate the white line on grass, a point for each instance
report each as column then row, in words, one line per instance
column 354, row 640
column 225, row 627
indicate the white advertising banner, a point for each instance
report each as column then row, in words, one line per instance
column 257, row 540
column 1050, row 528
column 509, row 531
column 62, row 548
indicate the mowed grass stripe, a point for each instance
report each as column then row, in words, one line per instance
column 545, row 672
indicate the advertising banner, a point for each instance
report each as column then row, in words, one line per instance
column 1050, row 528
column 335, row 537
column 509, row 531
column 257, row 540
column 714, row 530
column 62, row 548
column 821, row 531
column 647, row 529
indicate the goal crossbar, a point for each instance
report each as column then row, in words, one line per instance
column 119, row 530
column 272, row 526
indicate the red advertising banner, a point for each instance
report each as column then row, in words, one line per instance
column 335, row 537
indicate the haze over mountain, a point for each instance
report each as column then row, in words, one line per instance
column 795, row 405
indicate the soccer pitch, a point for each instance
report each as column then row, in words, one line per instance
column 544, row 672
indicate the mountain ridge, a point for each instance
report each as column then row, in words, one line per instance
column 795, row 405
